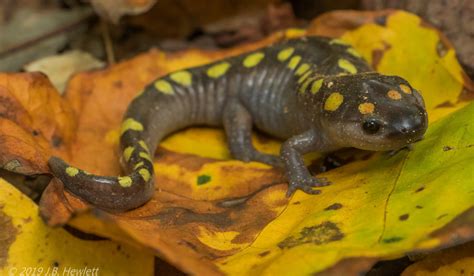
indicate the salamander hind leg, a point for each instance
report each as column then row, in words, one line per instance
column 238, row 127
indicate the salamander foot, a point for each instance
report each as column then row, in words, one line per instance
column 306, row 185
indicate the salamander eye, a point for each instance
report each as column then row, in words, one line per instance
column 371, row 126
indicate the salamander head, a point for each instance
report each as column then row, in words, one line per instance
column 373, row 112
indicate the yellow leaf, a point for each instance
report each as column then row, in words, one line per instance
column 408, row 49
column 33, row 245
column 381, row 207
column 211, row 143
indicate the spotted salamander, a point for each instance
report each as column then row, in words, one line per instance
column 315, row 93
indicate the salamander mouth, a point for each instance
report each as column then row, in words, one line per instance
column 386, row 144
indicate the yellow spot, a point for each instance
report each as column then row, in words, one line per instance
column 347, row 65
column 302, row 69
column 353, row 52
column 127, row 153
column 294, row 62
column 394, row 95
column 305, row 76
column 405, row 88
column 338, row 41
column 130, row 124
column 333, row 101
column 145, row 174
column 304, row 86
column 146, row 156
column 316, row 86
column 285, row 53
column 218, row 70
column 253, row 59
column 125, row 181
column 164, row 87
column 72, row 171
column 138, row 165
column 143, row 145
column 366, row 108
column 183, row 78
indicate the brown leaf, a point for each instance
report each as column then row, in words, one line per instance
column 336, row 23
column 188, row 16
column 34, row 122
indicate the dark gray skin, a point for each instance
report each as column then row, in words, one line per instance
column 269, row 90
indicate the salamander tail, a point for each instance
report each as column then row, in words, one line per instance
column 111, row 193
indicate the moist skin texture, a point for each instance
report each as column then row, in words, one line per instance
column 315, row 93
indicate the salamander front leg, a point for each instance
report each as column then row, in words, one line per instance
column 238, row 128
column 297, row 173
